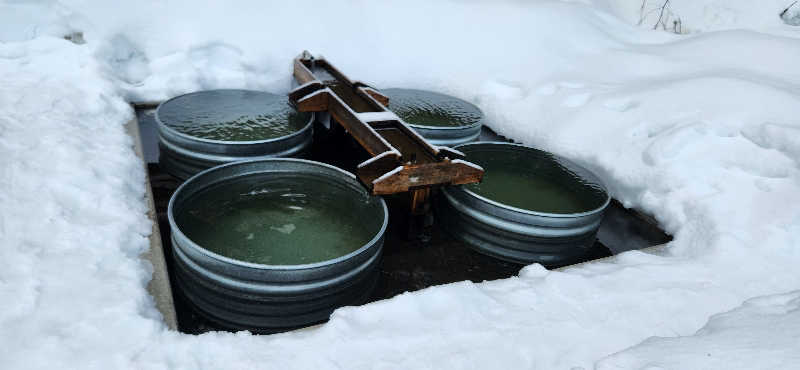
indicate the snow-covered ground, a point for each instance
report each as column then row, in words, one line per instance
column 701, row 130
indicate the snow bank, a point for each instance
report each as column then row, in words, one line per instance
column 71, row 226
column 690, row 16
column 764, row 333
column 700, row 131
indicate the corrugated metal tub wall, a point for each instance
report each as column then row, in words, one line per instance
column 271, row 244
column 531, row 206
column 208, row 128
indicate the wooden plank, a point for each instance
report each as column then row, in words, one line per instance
column 420, row 201
column 159, row 286
column 418, row 140
column 418, row 176
column 375, row 94
column 301, row 73
column 314, row 102
column 357, row 102
column 414, row 163
column 376, row 167
column 305, row 90
column 365, row 135
column 411, row 152
column 448, row 153
column 335, row 72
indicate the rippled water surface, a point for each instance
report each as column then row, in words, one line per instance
column 232, row 115
column 534, row 181
column 280, row 219
column 428, row 108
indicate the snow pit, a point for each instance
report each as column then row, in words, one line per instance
column 439, row 118
column 406, row 264
column 531, row 206
column 269, row 244
column 203, row 129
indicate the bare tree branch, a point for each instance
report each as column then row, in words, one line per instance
column 661, row 15
column 642, row 15
column 782, row 13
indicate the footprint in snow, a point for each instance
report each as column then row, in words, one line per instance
column 671, row 143
column 620, row 104
column 577, row 100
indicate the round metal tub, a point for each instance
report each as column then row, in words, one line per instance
column 441, row 119
column 272, row 244
column 208, row 128
column 531, row 206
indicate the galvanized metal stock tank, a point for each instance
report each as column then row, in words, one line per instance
column 185, row 153
column 236, row 294
column 441, row 119
column 524, row 235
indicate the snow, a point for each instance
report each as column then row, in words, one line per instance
column 699, row 130
column 763, row 333
column 389, row 174
column 703, row 16
column 377, row 116
column 394, row 153
column 468, row 164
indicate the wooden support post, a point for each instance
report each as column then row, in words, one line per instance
column 420, row 201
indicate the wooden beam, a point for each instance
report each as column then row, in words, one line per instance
column 402, row 159
column 425, row 175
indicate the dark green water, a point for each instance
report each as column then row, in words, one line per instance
column 280, row 219
column 428, row 108
column 232, row 115
column 534, row 181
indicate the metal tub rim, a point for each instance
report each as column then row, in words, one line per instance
column 580, row 225
column 449, row 136
column 445, row 128
column 258, row 266
column 171, row 131
column 590, row 176
column 271, row 288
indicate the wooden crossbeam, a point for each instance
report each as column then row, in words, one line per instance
column 402, row 160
